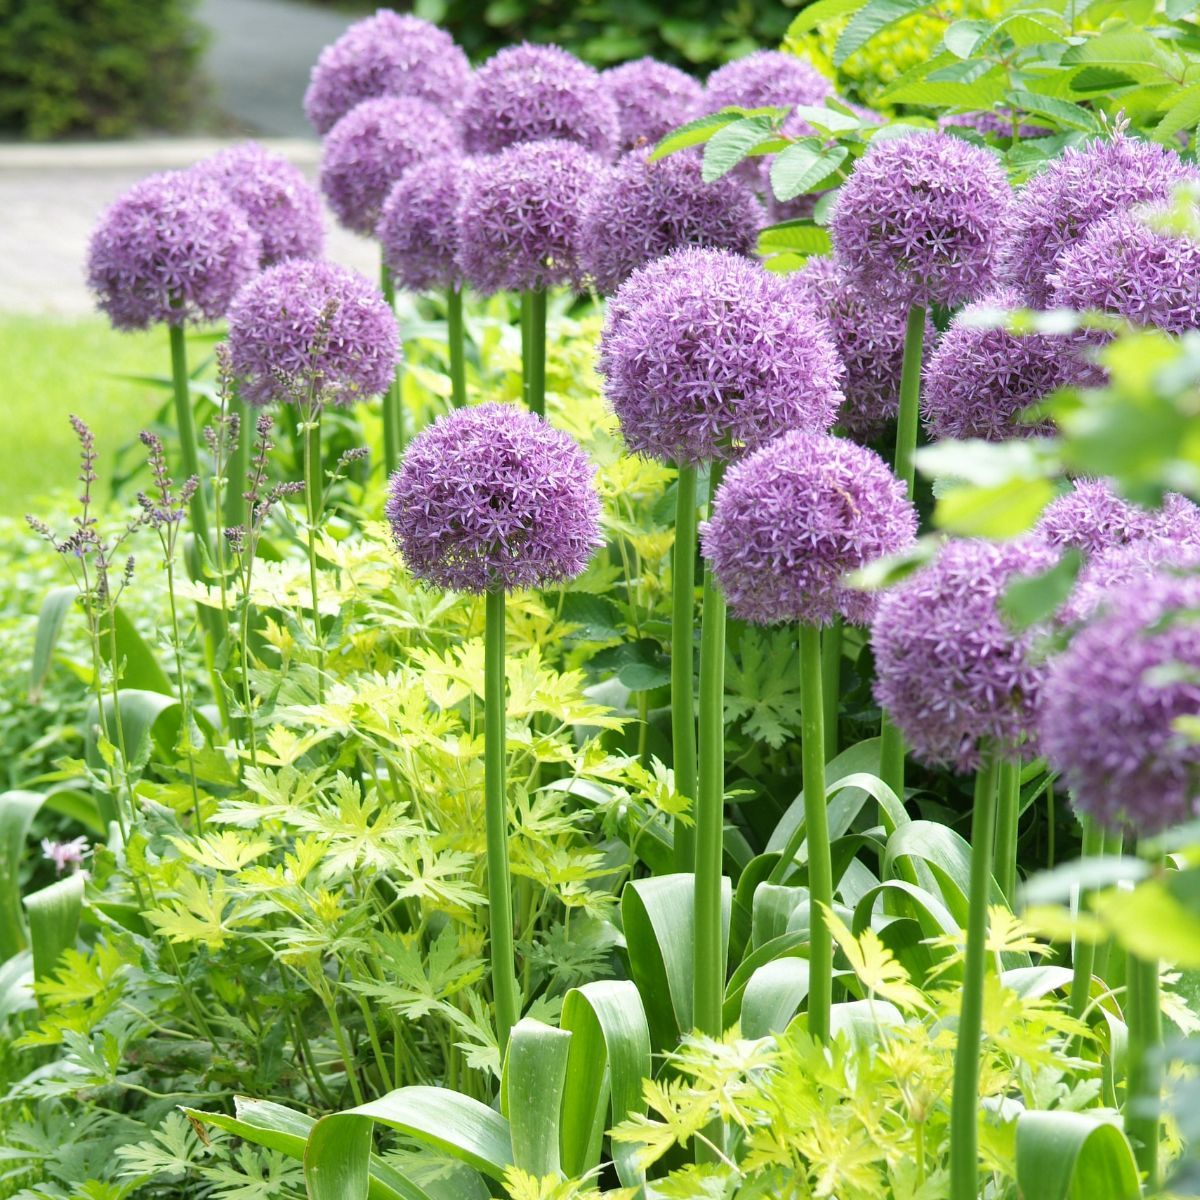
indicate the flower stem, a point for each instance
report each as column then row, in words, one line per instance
column 683, row 635
column 1008, row 815
column 393, row 404
column 831, row 682
column 239, row 465
column 314, row 488
column 816, row 821
column 457, row 347
column 1143, row 1076
column 187, row 431
column 964, row 1103
column 1084, row 957
column 504, row 975
column 533, row 316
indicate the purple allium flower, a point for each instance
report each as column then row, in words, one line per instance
column 173, row 248
column 791, row 519
column 312, row 327
column 492, row 496
column 538, row 93
column 949, row 669
column 981, row 377
column 65, row 854
column 371, row 147
column 868, row 335
column 1178, row 519
column 919, row 219
column 518, row 220
column 1091, row 518
column 993, row 123
column 418, row 228
column 1125, row 267
column 281, row 205
column 1119, row 566
column 642, row 210
column 766, row 78
column 1110, row 702
column 716, row 356
column 1058, row 205
column 652, row 98
column 386, row 55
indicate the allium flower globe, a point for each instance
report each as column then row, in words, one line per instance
column 981, row 378
column 950, row 671
column 991, row 123
column 1111, row 701
column 1118, row 567
column 652, row 98
column 765, row 78
column 1124, row 266
column 791, row 519
column 869, row 337
column 492, row 497
column 1091, row 517
column 641, row 210
column 371, row 147
column 418, row 227
column 1083, row 185
column 518, row 220
column 718, row 356
column 281, row 205
column 538, row 93
column 316, row 327
column 919, row 219
column 386, row 55
column 173, row 248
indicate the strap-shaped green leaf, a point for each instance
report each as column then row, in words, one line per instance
column 17, row 810
column 53, row 921
column 49, row 625
column 532, row 1088
column 773, row 996
column 1074, row 1156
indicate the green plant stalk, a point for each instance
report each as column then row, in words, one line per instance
column 831, row 682
column 1008, row 816
column 456, row 346
column 891, row 758
column 239, row 466
column 187, row 433
column 535, row 351
column 683, row 636
column 1083, row 961
column 1143, row 1078
column 314, row 488
column 816, row 821
column 504, row 974
column 393, row 403
column 964, row 1102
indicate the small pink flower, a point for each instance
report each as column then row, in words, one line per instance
column 65, row 854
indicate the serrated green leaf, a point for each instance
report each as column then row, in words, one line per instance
column 823, row 10
column 1002, row 511
column 731, row 144
column 802, row 166
column 694, row 133
column 1183, row 114
column 870, row 20
column 1061, row 112
column 963, row 38
column 802, row 237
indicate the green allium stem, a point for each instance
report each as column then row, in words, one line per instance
column 504, row 975
column 314, row 496
column 683, row 633
column 393, row 402
column 187, row 431
column 456, row 343
column 1007, row 818
column 831, row 682
column 964, row 1103
column 820, row 869
column 533, row 312
column 1084, row 958
column 239, row 464
column 1143, row 1077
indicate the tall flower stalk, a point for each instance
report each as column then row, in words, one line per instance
column 683, row 656
column 393, row 398
column 534, row 364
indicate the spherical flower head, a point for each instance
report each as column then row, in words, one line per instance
column 371, row 147
column 1178, row 519
column 950, row 670
column 765, row 79
column 518, row 221
column 1118, row 567
column 281, row 206
column 791, row 519
column 981, row 378
column 1084, row 185
column 1091, row 517
column 312, row 329
column 869, row 337
column 719, row 357
column 1124, row 266
column 418, row 227
column 642, row 210
column 492, row 497
column 652, row 98
column 991, row 123
column 386, row 55
column 919, row 219
column 173, row 248
column 538, row 93
column 1111, row 701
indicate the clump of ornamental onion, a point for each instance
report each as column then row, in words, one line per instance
column 315, row 332
column 1093, row 518
column 981, row 377
column 652, row 98
column 1120, row 566
column 1080, row 187
column 418, row 227
column 173, row 248
column 991, row 123
column 368, row 150
column 281, row 206
column 791, row 520
column 763, row 79
column 950, row 671
column 716, row 356
column 642, row 210
column 386, row 55
column 919, row 220
column 1111, row 701
column 538, row 93
column 519, row 216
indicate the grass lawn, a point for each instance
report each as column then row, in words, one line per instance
column 52, row 368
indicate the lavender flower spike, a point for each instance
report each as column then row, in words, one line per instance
column 491, row 497
column 652, row 98
column 793, row 518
